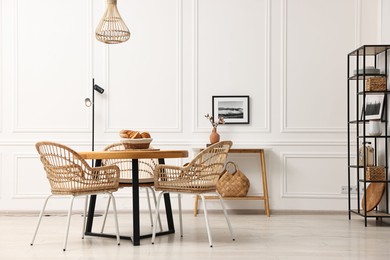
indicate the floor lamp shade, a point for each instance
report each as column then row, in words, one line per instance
column 112, row 29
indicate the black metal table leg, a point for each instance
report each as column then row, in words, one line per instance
column 168, row 207
column 92, row 205
column 136, row 211
column 135, row 182
column 91, row 213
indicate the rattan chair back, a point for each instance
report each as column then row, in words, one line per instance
column 200, row 175
column 69, row 174
column 145, row 166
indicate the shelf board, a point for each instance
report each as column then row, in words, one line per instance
column 366, row 76
column 363, row 121
column 374, row 92
column 372, row 136
column 360, row 166
column 361, row 180
column 355, row 166
column 369, row 50
column 371, row 214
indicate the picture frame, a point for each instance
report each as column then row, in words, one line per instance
column 234, row 109
column 374, row 107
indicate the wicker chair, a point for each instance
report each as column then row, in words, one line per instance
column 69, row 174
column 146, row 180
column 200, row 176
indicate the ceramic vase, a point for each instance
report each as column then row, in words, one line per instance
column 214, row 136
column 374, row 128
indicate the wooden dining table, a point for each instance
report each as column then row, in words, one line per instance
column 134, row 155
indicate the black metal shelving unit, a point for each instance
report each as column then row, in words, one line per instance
column 356, row 84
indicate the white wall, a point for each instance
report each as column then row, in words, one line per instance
column 289, row 56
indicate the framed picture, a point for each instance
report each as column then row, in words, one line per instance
column 234, row 109
column 374, row 106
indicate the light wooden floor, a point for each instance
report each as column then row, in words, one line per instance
column 282, row 236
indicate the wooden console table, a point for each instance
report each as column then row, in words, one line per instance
column 264, row 177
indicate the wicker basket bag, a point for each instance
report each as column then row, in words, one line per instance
column 234, row 184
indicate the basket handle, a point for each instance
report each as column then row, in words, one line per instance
column 227, row 167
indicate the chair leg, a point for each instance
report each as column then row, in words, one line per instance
column 85, row 217
column 156, row 216
column 68, row 222
column 155, row 204
column 39, row 219
column 226, row 215
column 180, row 214
column 207, row 220
column 149, row 206
column 105, row 214
column 196, row 205
column 116, row 218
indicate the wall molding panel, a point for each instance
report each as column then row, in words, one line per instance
column 285, row 98
column 286, row 193
column 175, row 126
column 1, row 63
column 27, row 84
column 25, row 176
column 1, row 172
column 197, row 128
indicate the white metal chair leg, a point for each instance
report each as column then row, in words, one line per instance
column 180, row 215
column 226, row 215
column 85, row 216
column 68, row 222
column 105, row 214
column 156, row 216
column 207, row 220
column 149, row 206
column 155, row 204
column 39, row 219
column 116, row 218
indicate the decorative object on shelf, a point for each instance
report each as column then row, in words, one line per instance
column 367, row 70
column 233, row 184
column 373, row 195
column 376, row 84
column 374, row 107
column 369, row 154
column 88, row 103
column 214, row 136
column 112, row 29
column 234, row 109
column 374, row 128
column 375, row 173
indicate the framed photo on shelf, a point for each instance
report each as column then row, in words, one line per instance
column 374, row 107
column 234, row 109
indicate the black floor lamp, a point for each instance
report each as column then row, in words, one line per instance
column 88, row 103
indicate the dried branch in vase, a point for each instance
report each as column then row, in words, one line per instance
column 214, row 123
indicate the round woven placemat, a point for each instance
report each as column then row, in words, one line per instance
column 374, row 195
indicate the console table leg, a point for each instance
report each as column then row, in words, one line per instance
column 265, row 187
column 196, row 205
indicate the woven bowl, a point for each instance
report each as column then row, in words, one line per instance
column 139, row 143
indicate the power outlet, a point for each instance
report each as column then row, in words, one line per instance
column 353, row 189
column 344, row 189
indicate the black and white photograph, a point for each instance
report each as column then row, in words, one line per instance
column 374, row 107
column 234, row 109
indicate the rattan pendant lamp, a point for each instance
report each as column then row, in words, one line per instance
column 112, row 29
